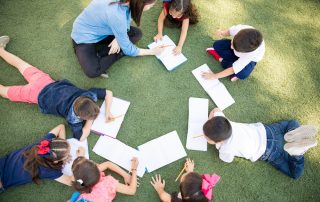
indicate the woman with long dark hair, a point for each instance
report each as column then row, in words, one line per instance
column 102, row 34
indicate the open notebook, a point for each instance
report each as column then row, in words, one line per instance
column 119, row 153
column 74, row 145
column 151, row 155
column 198, row 115
column 167, row 57
column 119, row 108
column 215, row 89
column 162, row 151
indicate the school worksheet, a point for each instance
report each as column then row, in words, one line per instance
column 74, row 146
column 167, row 57
column 118, row 109
column 215, row 89
column 198, row 115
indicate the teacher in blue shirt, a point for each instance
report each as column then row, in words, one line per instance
column 102, row 34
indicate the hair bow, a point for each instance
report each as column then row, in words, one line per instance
column 208, row 183
column 43, row 148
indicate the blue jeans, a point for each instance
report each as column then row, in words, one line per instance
column 223, row 48
column 275, row 154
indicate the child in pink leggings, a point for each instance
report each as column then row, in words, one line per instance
column 61, row 97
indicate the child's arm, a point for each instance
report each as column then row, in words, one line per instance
column 132, row 187
column 59, row 131
column 161, row 19
column 108, row 100
column 159, row 187
column 86, row 130
column 65, row 179
column 109, row 165
column 211, row 76
column 183, row 36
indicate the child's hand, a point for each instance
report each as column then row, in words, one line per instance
column 134, row 163
column 209, row 75
column 127, row 178
column 158, row 37
column 220, row 33
column 157, row 184
column 211, row 115
column 177, row 50
column 189, row 165
column 80, row 151
column 110, row 118
column 158, row 50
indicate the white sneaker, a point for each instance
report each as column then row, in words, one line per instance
column 104, row 75
column 298, row 134
column 4, row 40
column 299, row 148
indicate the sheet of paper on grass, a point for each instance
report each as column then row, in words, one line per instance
column 167, row 57
column 119, row 153
column 162, row 151
column 119, row 107
column 198, row 115
column 74, row 145
column 215, row 89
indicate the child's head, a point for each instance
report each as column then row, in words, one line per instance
column 217, row 129
column 48, row 153
column 247, row 40
column 86, row 174
column 191, row 188
column 86, row 108
column 178, row 8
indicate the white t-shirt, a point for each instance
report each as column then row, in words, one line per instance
column 248, row 141
column 245, row 58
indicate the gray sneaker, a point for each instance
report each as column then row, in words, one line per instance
column 299, row 148
column 298, row 134
column 4, row 40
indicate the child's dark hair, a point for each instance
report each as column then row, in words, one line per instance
column 247, row 40
column 86, row 174
column 86, row 108
column 188, row 10
column 217, row 129
column 59, row 150
column 191, row 188
column 136, row 8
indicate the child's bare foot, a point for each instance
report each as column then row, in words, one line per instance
column 234, row 78
column 4, row 40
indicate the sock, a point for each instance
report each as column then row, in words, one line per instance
column 214, row 54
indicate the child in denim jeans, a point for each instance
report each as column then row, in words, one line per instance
column 61, row 98
column 259, row 141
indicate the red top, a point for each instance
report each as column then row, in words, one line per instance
column 166, row 6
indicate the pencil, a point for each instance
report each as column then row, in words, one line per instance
column 164, row 46
column 196, row 136
column 180, row 173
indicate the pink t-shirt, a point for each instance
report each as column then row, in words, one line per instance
column 103, row 191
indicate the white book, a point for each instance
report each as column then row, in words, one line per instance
column 215, row 89
column 198, row 115
column 118, row 109
column 167, row 57
column 119, row 153
column 74, row 145
column 162, row 151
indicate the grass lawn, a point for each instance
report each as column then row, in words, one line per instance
column 285, row 85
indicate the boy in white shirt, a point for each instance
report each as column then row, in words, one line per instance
column 238, row 56
column 258, row 141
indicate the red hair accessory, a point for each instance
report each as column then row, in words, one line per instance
column 208, row 183
column 43, row 148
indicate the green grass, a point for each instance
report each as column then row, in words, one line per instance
column 284, row 85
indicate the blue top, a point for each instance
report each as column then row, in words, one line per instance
column 58, row 98
column 101, row 19
column 12, row 172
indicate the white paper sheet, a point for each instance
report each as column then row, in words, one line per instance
column 74, row 145
column 162, row 151
column 198, row 115
column 215, row 89
column 119, row 107
column 167, row 57
column 119, row 153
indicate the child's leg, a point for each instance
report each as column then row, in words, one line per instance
column 290, row 165
column 245, row 72
column 14, row 60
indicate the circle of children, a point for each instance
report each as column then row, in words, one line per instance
column 101, row 35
